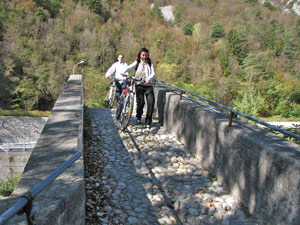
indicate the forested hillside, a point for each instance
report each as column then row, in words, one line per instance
column 240, row 53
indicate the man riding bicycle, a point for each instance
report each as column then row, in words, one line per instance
column 118, row 69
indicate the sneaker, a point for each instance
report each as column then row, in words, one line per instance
column 138, row 121
column 148, row 126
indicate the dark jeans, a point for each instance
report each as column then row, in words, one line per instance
column 119, row 88
column 141, row 92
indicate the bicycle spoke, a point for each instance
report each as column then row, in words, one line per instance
column 126, row 116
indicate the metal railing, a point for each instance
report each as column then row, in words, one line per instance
column 232, row 111
column 27, row 198
column 20, row 145
column 24, row 205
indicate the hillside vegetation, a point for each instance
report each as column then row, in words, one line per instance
column 240, row 53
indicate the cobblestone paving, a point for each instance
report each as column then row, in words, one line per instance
column 145, row 176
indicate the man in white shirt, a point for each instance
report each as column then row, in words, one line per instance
column 118, row 69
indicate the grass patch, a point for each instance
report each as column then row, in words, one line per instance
column 34, row 113
column 279, row 119
column 8, row 186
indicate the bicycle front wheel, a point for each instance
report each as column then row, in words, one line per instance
column 106, row 103
column 119, row 107
column 127, row 111
column 113, row 97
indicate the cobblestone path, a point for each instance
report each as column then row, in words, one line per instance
column 145, row 176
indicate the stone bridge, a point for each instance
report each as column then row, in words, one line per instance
column 190, row 167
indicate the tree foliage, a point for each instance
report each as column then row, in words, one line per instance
column 213, row 48
column 249, row 103
column 217, row 31
column 238, row 44
column 187, row 28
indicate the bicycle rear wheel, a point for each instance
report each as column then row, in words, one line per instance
column 127, row 112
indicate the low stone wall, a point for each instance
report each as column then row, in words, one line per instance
column 260, row 169
column 63, row 201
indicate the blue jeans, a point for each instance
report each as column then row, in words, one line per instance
column 120, row 87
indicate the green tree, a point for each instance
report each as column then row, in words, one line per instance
column 223, row 53
column 249, row 103
column 97, row 7
column 224, row 62
column 53, row 6
column 290, row 47
column 255, row 65
column 187, row 28
column 197, row 32
column 271, row 35
column 238, row 44
column 26, row 95
column 217, row 31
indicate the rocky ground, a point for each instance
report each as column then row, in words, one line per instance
column 145, row 176
column 16, row 129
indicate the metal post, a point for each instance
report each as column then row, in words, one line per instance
column 230, row 118
column 181, row 93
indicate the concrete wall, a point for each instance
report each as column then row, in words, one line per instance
column 262, row 170
column 21, row 129
column 12, row 164
column 63, row 201
column 15, row 130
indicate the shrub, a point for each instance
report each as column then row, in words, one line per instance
column 187, row 28
column 217, row 31
column 8, row 186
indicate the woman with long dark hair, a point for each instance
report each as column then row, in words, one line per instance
column 144, row 70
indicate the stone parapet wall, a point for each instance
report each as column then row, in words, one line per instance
column 63, row 201
column 260, row 169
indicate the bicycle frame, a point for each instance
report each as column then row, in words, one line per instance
column 126, row 93
column 125, row 107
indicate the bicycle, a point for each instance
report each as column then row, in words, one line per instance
column 126, row 102
column 110, row 98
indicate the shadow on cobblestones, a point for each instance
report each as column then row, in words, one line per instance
column 114, row 189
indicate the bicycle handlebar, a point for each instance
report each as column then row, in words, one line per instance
column 135, row 79
column 132, row 78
